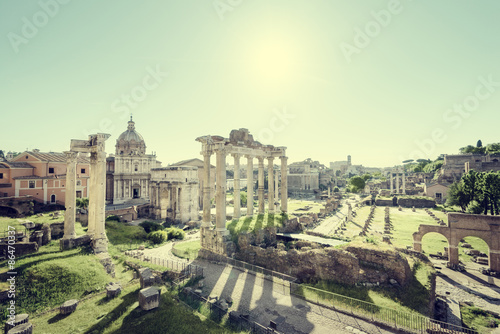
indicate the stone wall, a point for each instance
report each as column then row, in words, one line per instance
column 408, row 202
column 57, row 230
column 310, row 262
column 392, row 263
column 383, row 202
column 22, row 248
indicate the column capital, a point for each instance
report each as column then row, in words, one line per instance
column 270, row 159
column 236, row 155
column 260, row 158
column 283, row 158
column 249, row 156
column 70, row 156
column 207, row 153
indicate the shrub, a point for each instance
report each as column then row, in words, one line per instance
column 158, row 237
column 175, row 233
column 150, row 226
column 113, row 218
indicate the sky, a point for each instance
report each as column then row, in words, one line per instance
column 382, row 81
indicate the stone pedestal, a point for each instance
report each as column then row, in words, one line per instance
column 149, row 298
column 146, row 278
column 20, row 319
column 26, row 328
column 113, row 290
column 68, row 306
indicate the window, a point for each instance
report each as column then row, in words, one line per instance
column 439, row 195
column 82, row 171
column 32, row 184
column 79, row 194
column 52, row 198
column 136, row 168
column 78, row 183
column 1, row 175
column 51, row 170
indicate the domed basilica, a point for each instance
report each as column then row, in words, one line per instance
column 129, row 171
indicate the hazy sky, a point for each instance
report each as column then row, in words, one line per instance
column 383, row 81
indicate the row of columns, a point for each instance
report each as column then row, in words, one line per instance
column 220, row 196
column 403, row 176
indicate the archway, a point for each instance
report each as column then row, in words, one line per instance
column 434, row 242
column 478, row 251
column 7, row 211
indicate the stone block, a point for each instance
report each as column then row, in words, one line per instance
column 147, row 278
column 68, row 306
column 19, row 319
column 26, row 328
column 149, row 298
column 113, row 290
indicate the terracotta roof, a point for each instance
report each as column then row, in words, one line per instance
column 15, row 165
column 51, row 156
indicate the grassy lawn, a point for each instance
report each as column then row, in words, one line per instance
column 478, row 319
column 294, row 205
column 256, row 222
column 188, row 249
column 44, row 219
column 124, row 233
column 123, row 315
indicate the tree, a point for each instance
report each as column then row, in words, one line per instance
column 357, row 183
column 82, row 203
column 243, row 198
column 366, row 177
column 456, row 196
column 479, row 143
column 493, row 148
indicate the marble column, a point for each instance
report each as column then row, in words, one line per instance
column 237, row 199
column 249, row 185
column 70, row 195
column 100, row 187
column 284, row 185
column 270, row 184
column 206, row 189
column 397, row 182
column 392, row 184
column 276, row 191
column 220, row 197
column 404, row 182
column 92, row 194
column 260, row 189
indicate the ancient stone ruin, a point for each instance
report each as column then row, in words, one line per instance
column 240, row 143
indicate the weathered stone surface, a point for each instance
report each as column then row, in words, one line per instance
column 113, row 290
column 56, row 230
column 19, row 319
column 25, row 328
column 22, row 248
column 82, row 240
column 68, row 306
column 149, row 298
column 147, row 278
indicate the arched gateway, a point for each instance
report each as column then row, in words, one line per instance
column 465, row 225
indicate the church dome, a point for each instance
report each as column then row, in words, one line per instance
column 130, row 142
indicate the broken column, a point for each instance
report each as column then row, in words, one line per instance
column 70, row 195
column 237, row 199
column 249, row 185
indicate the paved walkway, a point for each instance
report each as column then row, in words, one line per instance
column 265, row 300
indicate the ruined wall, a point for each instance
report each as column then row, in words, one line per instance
column 416, row 202
column 392, row 263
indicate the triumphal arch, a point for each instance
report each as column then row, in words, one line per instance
column 239, row 144
column 462, row 225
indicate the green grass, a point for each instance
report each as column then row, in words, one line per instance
column 294, row 205
column 44, row 219
column 48, row 278
column 123, row 315
column 188, row 249
column 251, row 224
column 478, row 319
column 123, row 233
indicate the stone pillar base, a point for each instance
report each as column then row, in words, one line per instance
column 65, row 244
column 218, row 242
column 106, row 262
column 100, row 245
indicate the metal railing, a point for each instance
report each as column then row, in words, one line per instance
column 390, row 317
column 197, row 301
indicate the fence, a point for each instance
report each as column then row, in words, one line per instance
column 216, row 313
column 390, row 317
column 281, row 282
column 180, row 267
